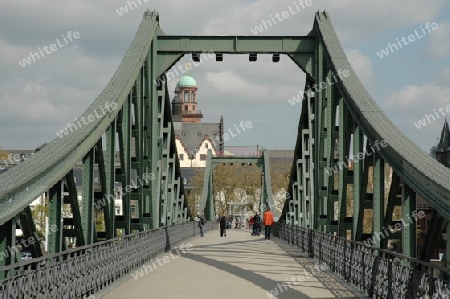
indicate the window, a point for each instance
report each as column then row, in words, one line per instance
column 181, row 156
column 202, row 157
column 185, row 107
column 186, row 97
column 192, row 97
column 206, row 145
column 193, row 107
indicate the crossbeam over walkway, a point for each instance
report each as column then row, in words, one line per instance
column 236, row 266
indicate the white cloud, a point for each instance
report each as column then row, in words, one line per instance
column 410, row 104
column 362, row 66
column 440, row 40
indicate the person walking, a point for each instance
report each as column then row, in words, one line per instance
column 223, row 225
column 201, row 223
column 268, row 222
column 256, row 225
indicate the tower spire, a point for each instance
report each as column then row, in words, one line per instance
column 443, row 148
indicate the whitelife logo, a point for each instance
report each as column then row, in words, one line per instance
column 52, row 48
column 411, row 38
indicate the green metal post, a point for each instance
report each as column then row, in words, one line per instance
column 409, row 231
column 7, row 245
column 154, row 130
column 110, row 171
column 87, row 213
column 358, row 168
column 378, row 230
column 344, row 141
column 55, row 227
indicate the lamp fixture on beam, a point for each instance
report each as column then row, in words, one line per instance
column 276, row 57
column 196, row 57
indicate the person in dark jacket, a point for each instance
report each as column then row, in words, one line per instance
column 256, row 225
column 223, row 225
column 201, row 222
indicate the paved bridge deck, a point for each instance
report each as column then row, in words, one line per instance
column 236, row 266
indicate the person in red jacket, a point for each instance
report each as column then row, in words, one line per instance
column 268, row 222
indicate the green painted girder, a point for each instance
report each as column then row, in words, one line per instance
column 138, row 134
column 329, row 132
column 378, row 197
column 153, row 123
column 236, row 44
column 409, row 229
column 72, row 199
column 171, row 48
column 29, row 231
column 220, row 160
column 124, row 133
column 266, row 194
column 308, row 156
column 394, row 192
column 296, row 213
column 55, row 218
column 358, row 178
column 7, row 246
column 344, row 149
column 206, row 197
column 110, row 173
column 435, row 228
column 87, row 205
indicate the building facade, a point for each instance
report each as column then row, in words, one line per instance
column 193, row 138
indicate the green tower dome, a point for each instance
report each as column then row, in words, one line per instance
column 187, row 81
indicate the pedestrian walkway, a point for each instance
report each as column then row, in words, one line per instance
column 232, row 267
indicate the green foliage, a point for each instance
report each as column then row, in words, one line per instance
column 433, row 150
column 39, row 212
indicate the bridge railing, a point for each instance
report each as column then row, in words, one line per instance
column 80, row 272
column 378, row 272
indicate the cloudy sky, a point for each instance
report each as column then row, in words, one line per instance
column 40, row 99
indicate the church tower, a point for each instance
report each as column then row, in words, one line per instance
column 184, row 104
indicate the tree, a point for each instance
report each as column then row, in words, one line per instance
column 236, row 183
column 280, row 171
column 433, row 151
column 39, row 213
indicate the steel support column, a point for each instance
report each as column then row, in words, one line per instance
column 343, row 164
column 87, row 210
column 55, row 227
column 110, row 172
column 154, row 127
column 7, row 245
column 358, row 177
column 409, row 231
column 378, row 199
column 124, row 221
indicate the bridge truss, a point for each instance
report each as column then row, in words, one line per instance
column 140, row 128
column 208, row 198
